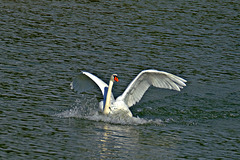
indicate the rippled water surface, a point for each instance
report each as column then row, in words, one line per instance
column 44, row 44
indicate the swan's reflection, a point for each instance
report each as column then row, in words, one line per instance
column 117, row 139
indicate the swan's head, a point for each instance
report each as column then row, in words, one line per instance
column 114, row 77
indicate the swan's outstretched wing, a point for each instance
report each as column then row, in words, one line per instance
column 145, row 79
column 87, row 81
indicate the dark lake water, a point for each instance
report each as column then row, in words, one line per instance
column 44, row 44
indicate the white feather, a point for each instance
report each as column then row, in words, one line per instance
column 145, row 79
column 136, row 89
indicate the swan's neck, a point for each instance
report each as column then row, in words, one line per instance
column 108, row 98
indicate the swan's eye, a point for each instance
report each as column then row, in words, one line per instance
column 116, row 78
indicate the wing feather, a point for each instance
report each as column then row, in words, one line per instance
column 147, row 78
column 86, row 81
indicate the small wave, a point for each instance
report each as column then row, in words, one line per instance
column 115, row 119
column 87, row 108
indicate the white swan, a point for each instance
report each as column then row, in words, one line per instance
column 133, row 92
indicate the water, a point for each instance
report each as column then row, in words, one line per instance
column 44, row 44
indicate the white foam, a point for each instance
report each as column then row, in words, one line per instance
column 87, row 108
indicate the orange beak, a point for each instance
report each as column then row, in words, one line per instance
column 116, row 79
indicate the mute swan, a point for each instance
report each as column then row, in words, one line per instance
column 133, row 92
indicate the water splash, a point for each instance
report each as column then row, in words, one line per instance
column 86, row 107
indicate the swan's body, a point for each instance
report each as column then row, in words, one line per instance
column 133, row 92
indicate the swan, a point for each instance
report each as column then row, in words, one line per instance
column 133, row 93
